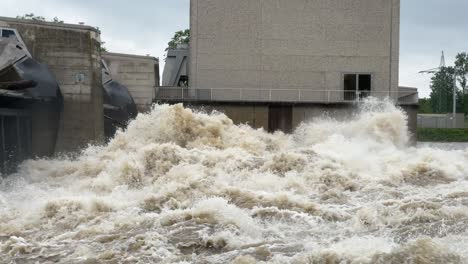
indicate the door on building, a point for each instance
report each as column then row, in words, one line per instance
column 280, row 118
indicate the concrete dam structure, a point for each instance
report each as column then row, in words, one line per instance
column 180, row 185
column 30, row 104
column 276, row 64
column 91, row 103
column 139, row 73
column 72, row 54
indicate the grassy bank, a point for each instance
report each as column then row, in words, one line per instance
column 442, row 135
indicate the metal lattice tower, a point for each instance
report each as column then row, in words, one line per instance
column 442, row 61
column 435, row 70
column 441, row 65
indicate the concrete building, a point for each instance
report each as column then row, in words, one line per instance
column 140, row 74
column 72, row 53
column 283, row 62
column 295, row 45
column 176, row 67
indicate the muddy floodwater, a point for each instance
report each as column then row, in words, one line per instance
column 186, row 187
column 445, row 146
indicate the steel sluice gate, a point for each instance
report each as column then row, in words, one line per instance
column 15, row 138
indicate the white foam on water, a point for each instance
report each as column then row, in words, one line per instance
column 180, row 186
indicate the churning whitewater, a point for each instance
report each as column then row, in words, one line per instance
column 188, row 187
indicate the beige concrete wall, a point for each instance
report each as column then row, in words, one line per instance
column 72, row 53
column 140, row 74
column 293, row 44
column 308, row 113
column 255, row 116
column 258, row 116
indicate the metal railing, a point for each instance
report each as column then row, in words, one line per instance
column 276, row 95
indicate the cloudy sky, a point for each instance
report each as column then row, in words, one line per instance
column 145, row 26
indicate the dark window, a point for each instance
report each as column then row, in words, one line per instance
column 280, row 118
column 364, row 82
column 6, row 33
column 350, row 82
column 357, row 86
column 183, row 81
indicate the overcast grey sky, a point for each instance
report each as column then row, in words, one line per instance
column 145, row 26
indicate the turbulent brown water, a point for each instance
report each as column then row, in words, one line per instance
column 185, row 187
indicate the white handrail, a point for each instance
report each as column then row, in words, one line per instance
column 268, row 95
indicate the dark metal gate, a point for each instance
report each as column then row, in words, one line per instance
column 280, row 118
column 15, row 138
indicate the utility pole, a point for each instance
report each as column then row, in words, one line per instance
column 454, row 121
column 435, row 70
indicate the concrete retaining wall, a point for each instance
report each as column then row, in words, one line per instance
column 140, row 74
column 253, row 115
column 440, row 121
column 260, row 115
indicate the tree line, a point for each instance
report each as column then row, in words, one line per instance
column 440, row 100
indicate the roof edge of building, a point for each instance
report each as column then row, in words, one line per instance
column 129, row 55
column 407, row 87
column 51, row 24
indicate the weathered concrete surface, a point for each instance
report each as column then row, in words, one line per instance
column 255, row 116
column 293, row 44
column 286, row 46
column 305, row 113
column 176, row 67
column 72, row 53
column 140, row 74
column 45, row 130
column 259, row 115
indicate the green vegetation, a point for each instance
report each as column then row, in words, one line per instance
column 461, row 68
column 442, row 82
column 442, row 135
column 425, row 106
column 33, row 17
column 102, row 48
column 180, row 37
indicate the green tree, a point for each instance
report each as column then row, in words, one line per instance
column 461, row 68
column 180, row 37
column 102, row 48
column 425, row 106
column 441, row 97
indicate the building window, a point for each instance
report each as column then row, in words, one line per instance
column 183, row 81
column 357, row 86
column 6, row 33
